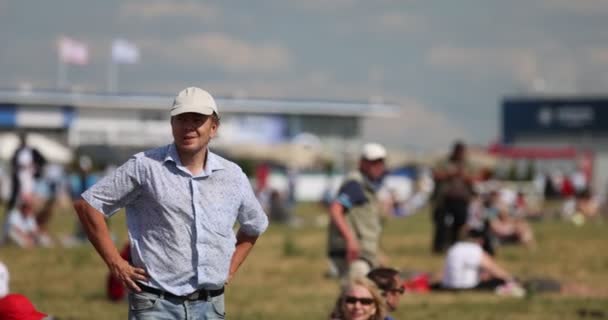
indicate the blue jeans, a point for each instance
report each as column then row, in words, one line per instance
column 150, row 306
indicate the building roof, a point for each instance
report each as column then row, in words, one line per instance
column 226, row 105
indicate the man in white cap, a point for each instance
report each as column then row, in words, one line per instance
column 181, row 202
column 355, row 228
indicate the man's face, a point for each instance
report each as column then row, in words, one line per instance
column 374, row 170
column 461, row 153
column 192, row 131
column 393, row 296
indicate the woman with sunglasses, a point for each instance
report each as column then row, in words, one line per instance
column 360, row 300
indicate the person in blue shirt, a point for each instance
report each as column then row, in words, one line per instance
column 182, row 202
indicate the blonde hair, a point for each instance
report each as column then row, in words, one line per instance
column 338, row 312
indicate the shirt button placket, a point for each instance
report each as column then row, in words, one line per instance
column 195, row 194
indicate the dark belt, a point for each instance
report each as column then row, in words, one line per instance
column 201, row 294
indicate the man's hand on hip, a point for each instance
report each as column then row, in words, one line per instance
column 121, row 269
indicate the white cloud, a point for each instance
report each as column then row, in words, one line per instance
column 449, row 56
column 322, row 5
column 578, row 6
column 398, row 22
column 222, row 50
column 554, row 66
column 313, row 84
column 171, row 9
column 238, row 55
column 521, row 62
column 417, row 126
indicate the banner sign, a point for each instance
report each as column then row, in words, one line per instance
column 543, row 116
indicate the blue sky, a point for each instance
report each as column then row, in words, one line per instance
column 446, row 63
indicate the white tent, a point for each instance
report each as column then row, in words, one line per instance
column 52, row 150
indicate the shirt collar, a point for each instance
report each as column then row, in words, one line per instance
column 374, row 185
column 213, row 162
column 171, row 155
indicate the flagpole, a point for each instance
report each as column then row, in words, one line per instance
column 61, row 74
column 112, row 76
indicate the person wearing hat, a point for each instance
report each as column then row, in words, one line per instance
column 15, row 306
column 354, row 232
column 181, row 201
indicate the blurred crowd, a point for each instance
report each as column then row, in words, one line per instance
column 34, row 189
column 473, row 214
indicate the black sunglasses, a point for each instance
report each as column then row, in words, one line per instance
column 363, row 301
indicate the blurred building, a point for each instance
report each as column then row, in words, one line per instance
column 111, row 127
column 563, row 133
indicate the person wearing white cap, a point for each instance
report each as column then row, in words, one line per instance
column 354, row 232
column 182, row 201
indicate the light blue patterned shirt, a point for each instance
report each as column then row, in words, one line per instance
column 180, row 225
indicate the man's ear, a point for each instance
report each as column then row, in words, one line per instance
column 214, row 128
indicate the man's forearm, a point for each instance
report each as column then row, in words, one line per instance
column 97, row 231
column 336, row 213
column 244, row 244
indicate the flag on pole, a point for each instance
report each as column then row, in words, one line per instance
column 124, row 51
column 73, row 52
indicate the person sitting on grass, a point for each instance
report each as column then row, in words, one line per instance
column 583, row 206
column 20, row 227
column 467, row 266
column 359, row 300
column 389, row 281
column 504, row 226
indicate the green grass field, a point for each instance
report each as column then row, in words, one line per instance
column 284, row 276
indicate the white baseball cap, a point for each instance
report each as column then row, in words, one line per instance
column 193, row 99
column 373, row 152
column 4, row 277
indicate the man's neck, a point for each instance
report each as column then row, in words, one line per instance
column 194, row 162
column 374, row 184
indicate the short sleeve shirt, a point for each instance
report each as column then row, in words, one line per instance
column 180, row 225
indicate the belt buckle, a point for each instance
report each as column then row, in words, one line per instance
column 197, row 295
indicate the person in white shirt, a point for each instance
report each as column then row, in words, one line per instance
column 20, row 227
column 467, row 266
